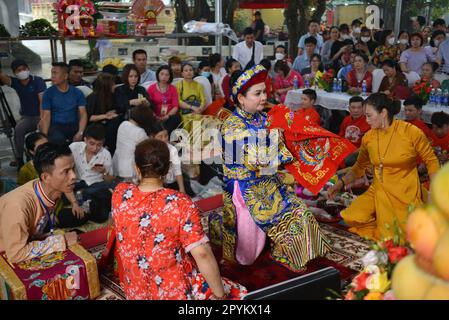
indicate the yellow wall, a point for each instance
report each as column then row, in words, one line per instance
column 346, row 14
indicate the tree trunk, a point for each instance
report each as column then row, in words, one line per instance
column 291, row 18
column 320, row 9
column 182, row 14
column 297, row 15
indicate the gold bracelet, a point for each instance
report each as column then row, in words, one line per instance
column 219, row 298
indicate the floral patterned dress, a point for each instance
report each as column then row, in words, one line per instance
column 155, row 231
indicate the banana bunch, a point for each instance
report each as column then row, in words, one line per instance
column 117, row 62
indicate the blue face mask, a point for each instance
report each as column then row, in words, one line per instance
column 205, row 74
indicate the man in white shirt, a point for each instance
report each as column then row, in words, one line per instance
column 140, row 60
column 243, row 51
column 93, row 163
column 314, row 28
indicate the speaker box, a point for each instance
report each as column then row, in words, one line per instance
column 317, row 285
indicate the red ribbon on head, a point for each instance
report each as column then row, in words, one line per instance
column 318, row 152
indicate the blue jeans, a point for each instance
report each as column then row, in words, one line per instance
column 62, row 133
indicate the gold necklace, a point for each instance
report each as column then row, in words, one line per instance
column 381, row 159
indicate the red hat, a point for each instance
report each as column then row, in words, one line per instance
column 248, row 78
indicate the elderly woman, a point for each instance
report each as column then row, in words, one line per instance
column 284, row 80
column 428, row 73
column 392, row 147
column 360, row 73
column 414, row 58
column 164, row 97
column 394, row 83
column 157, row 229
column 257, row 203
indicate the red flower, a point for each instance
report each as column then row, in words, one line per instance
column 360, row 281
column 389, row 244
column 428, row 90
column 395, row 254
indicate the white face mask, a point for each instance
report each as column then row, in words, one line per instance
column 279, row 56
column 346, row 36
column 403, row 41
column 391, row 41
column 436, row 42
column 23, row 75
column 365, row 39
column 357, row 30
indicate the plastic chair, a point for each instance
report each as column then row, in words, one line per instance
column 378, row 75
column 85, row 90
column 147, row 84
column 412, row 77
column 207, row 88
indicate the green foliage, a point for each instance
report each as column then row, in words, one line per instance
column 36, row 28
column 3, row 32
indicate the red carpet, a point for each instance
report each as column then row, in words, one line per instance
column 265, row 271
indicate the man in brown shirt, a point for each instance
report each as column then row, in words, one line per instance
column 26, row 211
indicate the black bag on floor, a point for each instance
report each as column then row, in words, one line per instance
column 100, row 206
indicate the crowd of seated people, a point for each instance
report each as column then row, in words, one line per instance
column 101, row 138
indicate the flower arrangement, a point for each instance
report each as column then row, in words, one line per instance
column 374, row 282
column 422, row 89
column 326, row 80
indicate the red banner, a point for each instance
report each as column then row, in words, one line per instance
column 263, row 4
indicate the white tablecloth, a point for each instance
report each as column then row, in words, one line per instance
column 340, row 101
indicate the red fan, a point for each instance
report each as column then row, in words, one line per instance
column 318, row 152
column 147, row 9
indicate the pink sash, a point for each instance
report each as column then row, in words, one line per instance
column 250, row 238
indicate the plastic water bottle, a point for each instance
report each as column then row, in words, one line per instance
column 79, row 197
column 307, row 83
column 432, row 98
column 86, row 206
column 295, row 83
column 335, row 85
column 364, row 88
column 439, row 98
column 340, row 85
column 445, row 102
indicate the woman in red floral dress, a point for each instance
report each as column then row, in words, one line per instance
column 156, row 229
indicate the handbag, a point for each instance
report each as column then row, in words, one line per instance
column 192, row 100
column 251, row 62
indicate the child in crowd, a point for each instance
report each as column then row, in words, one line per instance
column 28, row 172
column 413, row 113
column 440, row 128
column 174, row 178
column 353, row 127
column 307, row 108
